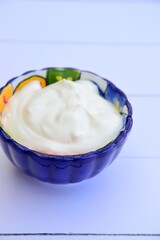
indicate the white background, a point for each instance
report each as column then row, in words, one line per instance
column 119, row 40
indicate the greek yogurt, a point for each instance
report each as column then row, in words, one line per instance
column 64, row 118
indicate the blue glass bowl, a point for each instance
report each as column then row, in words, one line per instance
column 73, row 168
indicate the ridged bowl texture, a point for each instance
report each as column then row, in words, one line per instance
column 72, row 168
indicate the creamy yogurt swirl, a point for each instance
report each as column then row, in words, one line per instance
column 64, row 118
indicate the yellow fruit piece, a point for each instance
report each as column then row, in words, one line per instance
column 30, row 79
column 5, row 95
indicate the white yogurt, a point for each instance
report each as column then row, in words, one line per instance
column 64, row 118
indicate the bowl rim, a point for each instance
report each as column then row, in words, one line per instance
column 123, row 133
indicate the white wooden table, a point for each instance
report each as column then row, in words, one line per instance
column 119, row 40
